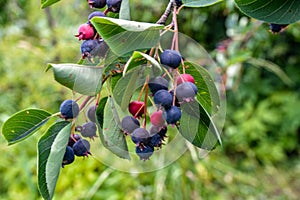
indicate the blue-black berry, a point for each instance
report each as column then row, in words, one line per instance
column 68, row 156
column 93, row 48
column 97, row 3
column 114, row 5
column 129, row 124
column 82, row 148
column 170, row 58
column 89, row 129
column 163, row 98
column 69, row 109
column 186, row 91
column 140, row 136
column 158, row 83
column 172, row 115
column 145, row 152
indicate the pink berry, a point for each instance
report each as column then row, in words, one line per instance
column 136, row 108
column 85, row 32
column 157, row 119
column 185, row 78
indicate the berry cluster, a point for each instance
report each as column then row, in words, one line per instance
column 93, row 44
column 77, row 146
column 167, row 101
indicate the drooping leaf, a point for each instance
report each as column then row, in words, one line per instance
column 207, row 94
column 127, row 85
column 197, row 126
column 83, row 79
column 114, row 139
column 138, row 59
column 273, row 11
column 46, row 3
column 125, row 10
column 23, row 124
column 123, row 36
column 200, row 3
column 51, row 149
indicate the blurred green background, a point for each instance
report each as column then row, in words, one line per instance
column 260, row 155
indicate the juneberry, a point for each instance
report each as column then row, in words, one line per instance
column 72, row 139
column 97, row 3
column 92, row 48
column 163, row 98
column 91, row 113
column 82, row 148
column 89, row 130
column 157, row 119
column 276, row 28
column 186, row 91
column 156, row 141
column 85, row 32
column 163, row 132
column 185, row 78
column 170, row 58
column 96, row 14
column 140, row 136
column 114, row 5
column 144, row 152
column 69, row 109
column 158, row 83
column 136, row 108
column 68, row 156
column 129, row 124
column 178, row 3
column 172, row 115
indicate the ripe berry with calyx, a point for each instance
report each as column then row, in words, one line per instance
column 172, row 115
column 156, row 141
column 136, row 108
column 69, row 109
column 170, row 58
column 158, row 83
column 140, row 136
column 91, row 113
column 68, row 156
column 96, row 14
column 186, row 91
column 85, row 32
column 82, row 148
column 93, row 48
column 72, row 139
column 163, row 98
column 97, row 3
column 145, row 152
column 129, row 124
column 114, row 5
column 185, row 78
column 89, row 129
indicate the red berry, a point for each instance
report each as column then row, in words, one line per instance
column 85, row 32
column 185, row 78
column 136, row 108
column 157, row 119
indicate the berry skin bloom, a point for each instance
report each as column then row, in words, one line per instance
column 163, row 98
column 89, row 130
column 129, row 124
column 68, row 156
column 172, row 115
column 69, row 109
column 170, row 58
column 82, row 148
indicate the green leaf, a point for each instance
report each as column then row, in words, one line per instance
column 127, row 85
column 123, row 36
column 51, row 149
column 100, row 118
column 125, row 10
column 197, row 126
column 273, row 11
column 83, row 79
column 207, row 94
column 114, row 139
column 23, row 124
column 46, row 3
column 200, row 3
column 137, row 59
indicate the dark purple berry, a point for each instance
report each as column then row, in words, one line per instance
column 156, row 141
column 178, row 3
column 72, row 139
column 114, row 5
column 69, row 109
column 129, row 124
column 85, row 32
column 91, row 113
column 93, row 48
column 89, row 130
column 163, row 132
column 97, row 3
column 186, row 91
column 96, row 14
column 140, row 136
column 172, row 115
column 145, row 152
column 163, row 98
column 68, row 156
column 158, row 83
column 82, row 148
column 276, row 28
column 170, row 58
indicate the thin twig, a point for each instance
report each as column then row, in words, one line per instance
column 166, row 14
